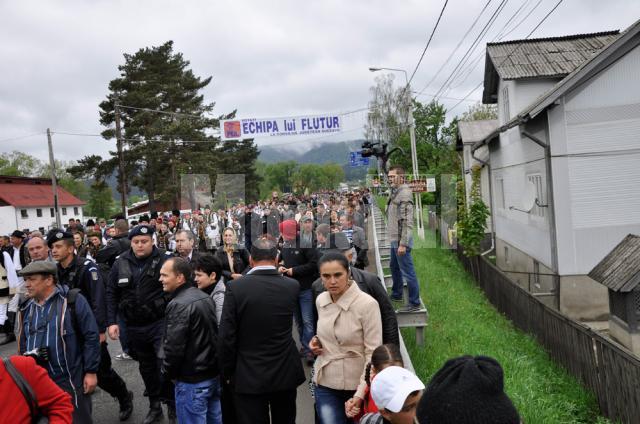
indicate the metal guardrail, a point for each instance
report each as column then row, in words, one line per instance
column 416, row 319
column 406, row 359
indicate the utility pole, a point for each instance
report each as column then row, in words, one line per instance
column 54, row 180
column 121, row 172
column 414, row 163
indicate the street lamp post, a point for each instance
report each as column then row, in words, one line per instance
column 414, row 154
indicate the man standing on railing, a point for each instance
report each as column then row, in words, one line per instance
column 400, row 230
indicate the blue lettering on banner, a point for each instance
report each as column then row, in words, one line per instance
column 306, row 125
column 259, row 127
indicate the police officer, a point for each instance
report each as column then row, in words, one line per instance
column 82, row 273
column 134, row 290
column 105, row 258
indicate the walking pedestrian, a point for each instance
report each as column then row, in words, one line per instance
column 60, row 331
column 258, row 353
column 349, row 329
column 189, row 346
column 134, row 290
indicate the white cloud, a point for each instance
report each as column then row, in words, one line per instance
column 266, row 58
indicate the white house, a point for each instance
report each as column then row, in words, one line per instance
column 569, row 135
column 27, row 203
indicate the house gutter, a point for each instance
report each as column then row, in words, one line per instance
column 553, row 239
column 493, row 223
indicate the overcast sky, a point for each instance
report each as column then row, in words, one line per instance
column 267, row 58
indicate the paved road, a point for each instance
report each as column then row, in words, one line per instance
column 105, row 408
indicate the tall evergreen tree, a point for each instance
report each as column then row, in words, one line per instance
column 166, row 126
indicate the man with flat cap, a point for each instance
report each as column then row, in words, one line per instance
column 134, row 291
column 59, row 330
column 81, row 273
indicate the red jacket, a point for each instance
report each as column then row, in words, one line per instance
column 53, row 402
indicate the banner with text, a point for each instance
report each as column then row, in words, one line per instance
column 237, row 129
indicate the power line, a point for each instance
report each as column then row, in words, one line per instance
column 517, row 46
column 431, row 95
column 465, row 97
column 468, row 69
column 76, row 134
column 474, row 44
column 428, row 42
column 523, row 19
column 457, row 47
column 144, row 109
column 532, row 31
column 512, row 18
column 22, row 137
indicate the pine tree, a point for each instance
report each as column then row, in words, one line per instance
column 160, row 147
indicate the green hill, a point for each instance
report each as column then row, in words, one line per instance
column 323, row 153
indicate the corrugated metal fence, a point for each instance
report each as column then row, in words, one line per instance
column 610, row 371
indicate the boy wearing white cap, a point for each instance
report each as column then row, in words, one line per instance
column 396, row 393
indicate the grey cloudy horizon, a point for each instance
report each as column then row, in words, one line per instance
column 267, row 59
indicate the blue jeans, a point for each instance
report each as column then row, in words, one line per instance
column 198, row 403
column 305, row 319
column 402, row 269
column 330, row 405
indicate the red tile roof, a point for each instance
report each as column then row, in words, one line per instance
column 31, row 192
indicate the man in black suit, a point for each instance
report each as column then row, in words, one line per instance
column 185, row 244
column 258, row 354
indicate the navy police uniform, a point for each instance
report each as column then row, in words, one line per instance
column 134, row 291
column 83, row 274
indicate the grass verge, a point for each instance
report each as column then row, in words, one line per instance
column 462, row 321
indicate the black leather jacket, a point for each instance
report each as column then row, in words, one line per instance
column 190, row 336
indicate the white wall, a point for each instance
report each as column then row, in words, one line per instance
column 33, row 222
column 7, row 220
column 526, row 91
column 521, row 93
column 595, row 134
column 513, row 159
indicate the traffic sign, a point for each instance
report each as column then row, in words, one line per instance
column 356, row 159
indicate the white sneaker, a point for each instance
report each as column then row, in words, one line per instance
column 123, row 357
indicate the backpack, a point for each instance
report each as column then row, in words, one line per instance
column 72, row 295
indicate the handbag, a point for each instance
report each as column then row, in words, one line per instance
column 27, row 392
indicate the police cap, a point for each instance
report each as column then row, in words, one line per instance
column 141, row 230
column 39, row 267
column 57, row 235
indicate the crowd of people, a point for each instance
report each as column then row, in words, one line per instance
column 206, row 303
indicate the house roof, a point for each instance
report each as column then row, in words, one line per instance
column 626, row 41
column 620, row 269
column 474, row 131
column 32, row 192
column 553, row 57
